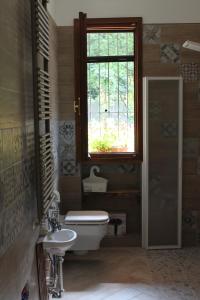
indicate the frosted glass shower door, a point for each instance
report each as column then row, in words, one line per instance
column 162, row 164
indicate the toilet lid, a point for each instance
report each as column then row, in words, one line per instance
column 86, row 217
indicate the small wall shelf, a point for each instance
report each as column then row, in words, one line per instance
column 114, row 193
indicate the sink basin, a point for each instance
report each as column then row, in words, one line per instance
column 59, row 241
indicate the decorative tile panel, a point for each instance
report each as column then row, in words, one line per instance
column 155, row 110
column 190, row 72
column 151, row 34
column 67, row 149
column 198, row 92
column 198, row 165
column 1, row 150
column 155, row 185
column 114, row 169
column 190, row 224
column 190, row 147
column 170, row 53
column 69, row 167
column 127, row 169
column 67, row 131
column 17, row 186
column 169, row 129
column 190, row 219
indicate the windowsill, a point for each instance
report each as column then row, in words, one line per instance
column 112, row 158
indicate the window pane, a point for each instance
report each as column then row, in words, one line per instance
column 111, row 107
column 123, row 86
column 130, row 75
column 110, row 44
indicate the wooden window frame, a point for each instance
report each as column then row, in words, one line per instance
column 81, row 27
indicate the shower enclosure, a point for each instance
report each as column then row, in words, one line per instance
column 162, row 164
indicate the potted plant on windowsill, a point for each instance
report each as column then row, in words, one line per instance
column 117, row 149
column 120, row 145
column 102, row 144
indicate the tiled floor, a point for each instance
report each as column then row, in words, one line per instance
column 133, row 273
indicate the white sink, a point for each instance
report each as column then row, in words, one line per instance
column 59, row 241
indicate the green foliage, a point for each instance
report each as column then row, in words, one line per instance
column 103, row 143
column 113, row 43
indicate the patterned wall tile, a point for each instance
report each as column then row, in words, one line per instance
column 55, row 136
column 1, row 191
column 155, row 109
column 1, row 150
column 67, row 149
column 17, row 144
column 198, row 165
column 190, row 147
column 190, row 219
column 17, row 205
column 130, row 169
column 29, row 138
column 113, row 169
column 169, row 129
column 69, row 167
column 155, row 185
column 17, row 186
column 190, row 225
column 198, row 92
column 170, row 53
column 151, row 34
column 190, row 72
column 67, row 131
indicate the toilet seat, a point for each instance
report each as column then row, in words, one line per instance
column 89, row 217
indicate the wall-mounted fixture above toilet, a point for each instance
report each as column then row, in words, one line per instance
column 95, row 183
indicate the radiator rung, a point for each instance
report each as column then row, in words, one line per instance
column 44, row 136
column 41, row 77
column 40, row 27
column 45, row 51
column 43, row 72
column 43, row 54
column 41, row 96
column 41, row 84
column 44, row 106
column 41, row 8
column 44, row 89
column 48, row 178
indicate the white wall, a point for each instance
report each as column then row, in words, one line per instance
column 51, row 6
column 152, row 11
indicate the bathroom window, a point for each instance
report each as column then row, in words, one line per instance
column 108, row 105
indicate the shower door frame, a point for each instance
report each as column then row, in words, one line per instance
column 145, row 164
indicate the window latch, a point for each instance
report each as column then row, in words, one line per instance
column 77, row 106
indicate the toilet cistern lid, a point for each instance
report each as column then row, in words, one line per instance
column 86, row 217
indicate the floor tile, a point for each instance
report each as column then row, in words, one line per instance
column 133, row 273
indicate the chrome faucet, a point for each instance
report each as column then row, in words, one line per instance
column 54, row 224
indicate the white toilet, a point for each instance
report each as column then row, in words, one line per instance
column 90, row 226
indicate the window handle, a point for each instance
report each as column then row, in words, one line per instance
column 77, row 106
